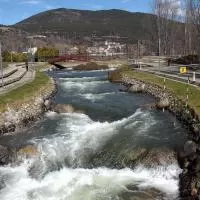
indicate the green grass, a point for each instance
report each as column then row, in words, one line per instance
column 178, row 88
column 26, row 92
column 42, row 66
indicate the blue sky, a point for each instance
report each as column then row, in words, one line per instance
column 12, row 11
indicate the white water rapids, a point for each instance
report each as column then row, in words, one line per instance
column 56, row 172
column 75, row 133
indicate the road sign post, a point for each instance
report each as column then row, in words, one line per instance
column 187, row 94
column 164, row 87
column 183, row 70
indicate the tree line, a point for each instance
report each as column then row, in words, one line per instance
column 42, row 55
column 177, row 27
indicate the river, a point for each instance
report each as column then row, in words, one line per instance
column 116, row 148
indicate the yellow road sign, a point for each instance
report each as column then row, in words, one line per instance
column 183, row 70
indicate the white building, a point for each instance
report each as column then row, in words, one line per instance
column 32, row 51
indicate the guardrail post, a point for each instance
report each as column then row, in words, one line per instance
column 194, row 77
column 164, row 83
column 187, row 94
column 164, row 87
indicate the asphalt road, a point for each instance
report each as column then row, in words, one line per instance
column 173, row 72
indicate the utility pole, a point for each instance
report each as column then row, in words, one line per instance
column 187, row 91
column 11, row 56
column 159, row 52
column 138, row 53
column 164, row 87
column 1, row 67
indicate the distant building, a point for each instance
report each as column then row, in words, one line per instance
column 73, row 50
column 36, row 36
column 32, row 51
column 107, row 49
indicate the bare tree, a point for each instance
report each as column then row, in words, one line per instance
column 194, row 8
column 167, row 12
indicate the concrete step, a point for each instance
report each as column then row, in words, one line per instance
column 14, row 77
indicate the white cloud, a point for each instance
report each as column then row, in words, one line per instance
column 31, row 2
column 125, row 1
column 94, row 6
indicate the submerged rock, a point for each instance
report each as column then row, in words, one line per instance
column 159, row 156
column 4, row 155
column 130, row 158
column 190, row 147
column 137, row 88
column 135, row 193
column 65, row 108
column 133, row 157
column 28, row 151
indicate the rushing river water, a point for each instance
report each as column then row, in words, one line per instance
column 116, row 149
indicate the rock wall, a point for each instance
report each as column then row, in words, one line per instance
column 20, row 116
column 189, row 156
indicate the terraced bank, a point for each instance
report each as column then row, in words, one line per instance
column 24, row 104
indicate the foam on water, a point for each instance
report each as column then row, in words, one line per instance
column 47, row 177
column 51, row 114
column 89, row 184
column 83, row 79
column 56, row 173
column 78, row 134
column 82, row 86
column 92, row 96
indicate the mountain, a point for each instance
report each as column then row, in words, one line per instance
column 65, row 27
column 83, row 23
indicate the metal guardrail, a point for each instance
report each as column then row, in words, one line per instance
column 184, row 80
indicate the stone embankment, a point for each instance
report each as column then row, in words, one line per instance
column 18, row 116
column 189, row 156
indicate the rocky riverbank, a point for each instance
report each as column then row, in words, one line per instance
column 18, row 116
column 189, row 156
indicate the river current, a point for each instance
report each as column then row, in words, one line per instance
column 116, row 148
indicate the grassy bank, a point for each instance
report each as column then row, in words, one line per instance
column 114, row 61
column 25, row 93
column 177, row 88
column 90, row 66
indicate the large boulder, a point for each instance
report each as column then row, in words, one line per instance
column 63, row 108
column 4, row 155
column 163, row 103
column 189, row 148
column 137, row 88
column 134, row 157
column 158, row 156
column 28, row 151
column 48, row 104
column 133, row 192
